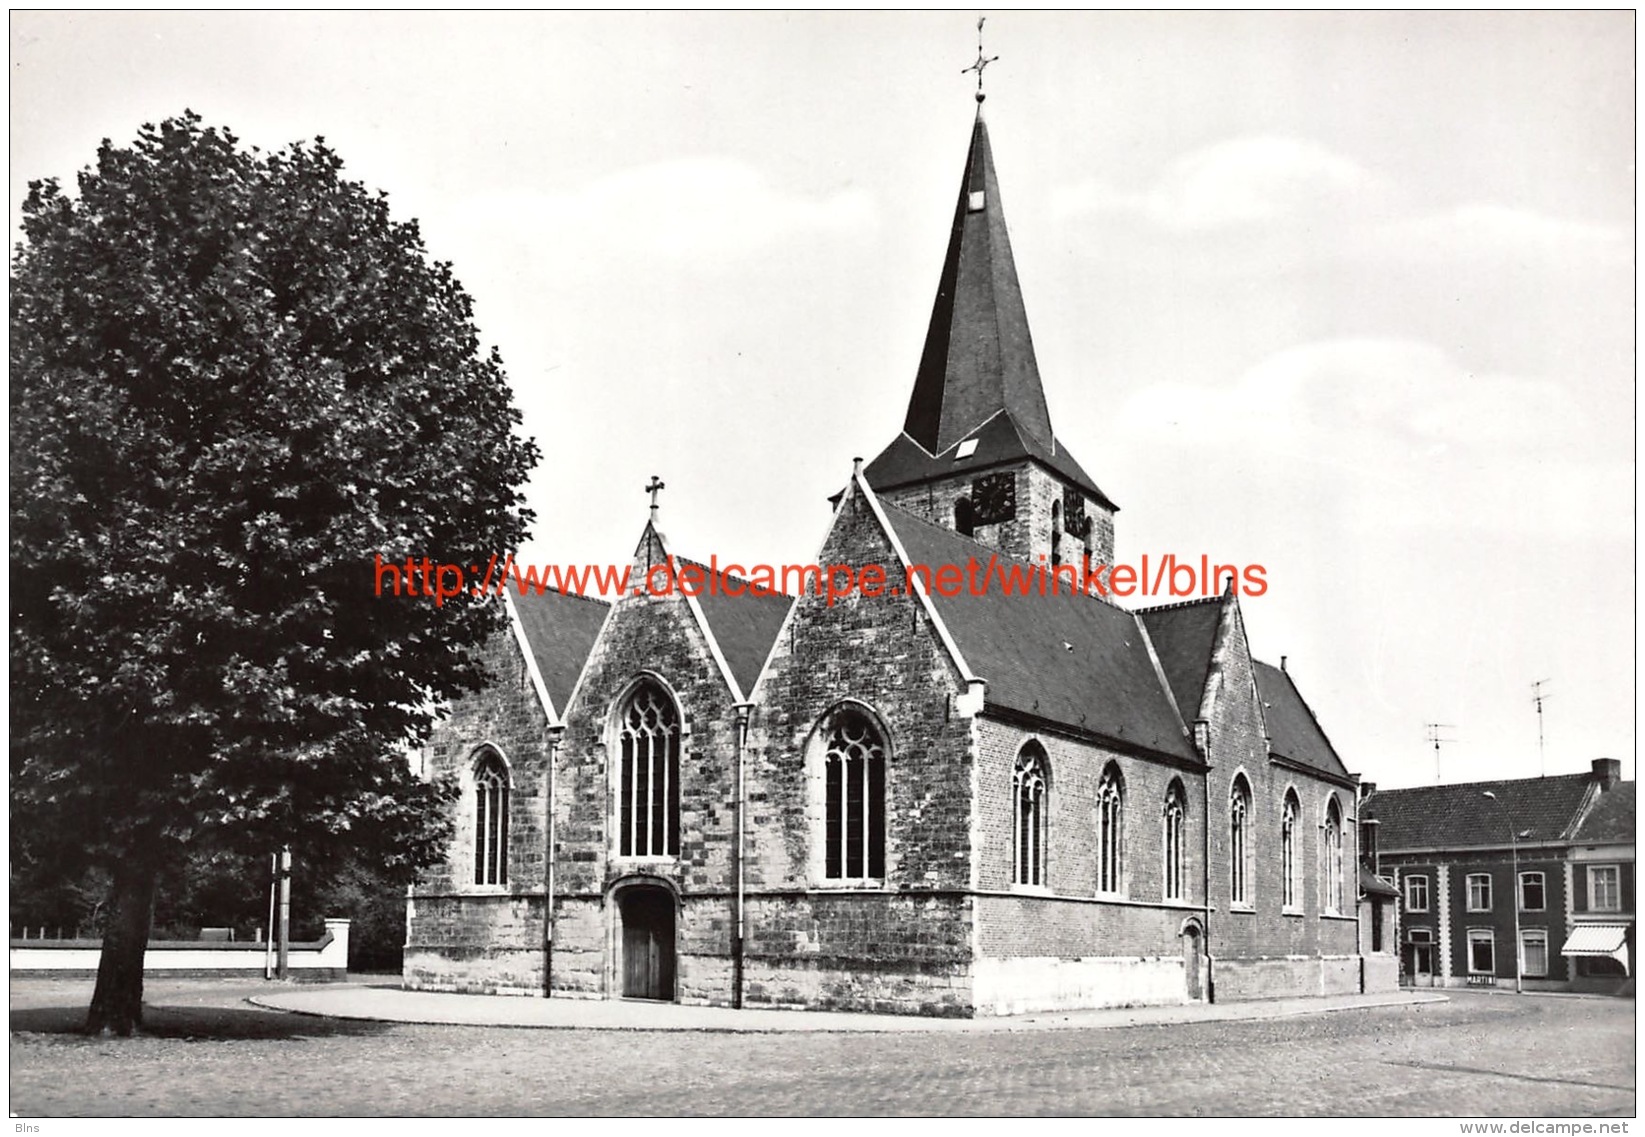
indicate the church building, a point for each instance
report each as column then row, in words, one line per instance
column 931, row 801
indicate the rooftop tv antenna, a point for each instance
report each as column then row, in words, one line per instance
column 1435, row 732
column 1536, row 697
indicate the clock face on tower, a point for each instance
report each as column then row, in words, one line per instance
column 994, row 498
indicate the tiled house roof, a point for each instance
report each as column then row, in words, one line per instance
column 1612, row 817
column 1451, row 816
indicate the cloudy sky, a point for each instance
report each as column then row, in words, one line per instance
column 1347, row 295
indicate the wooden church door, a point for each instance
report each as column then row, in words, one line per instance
column 648, row 943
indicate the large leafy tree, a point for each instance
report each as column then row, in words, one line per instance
column 235, row 378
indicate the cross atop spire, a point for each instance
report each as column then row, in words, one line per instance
column 982, row 60
column 656, row 487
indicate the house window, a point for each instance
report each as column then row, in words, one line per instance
column 1333, row 857
column 1479, row 892
column 1239, row 851
column 1111, row 832
column 1604, row 889
column 648, row 807
column 854, row 774
column 1288, row 852
column 490, row 819
column 1028, row 785
column 1175, row 824
column 1416, row 894
column 1481, row 951
column 1533, row 895
column 1533, row 953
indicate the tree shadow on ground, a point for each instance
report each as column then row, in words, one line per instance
column 202, row 1023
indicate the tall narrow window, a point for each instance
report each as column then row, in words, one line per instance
column 1479, row 892
column 1056, row 533
column 1288, row 852
column 1175, row 824
column 1333, row 857
column 1533, row 893
column 965, row 517
column 1111, row 832
column 1239, row 842
column 490, row 820
column 648, row 807
column 1028, row 785
column 854, row 775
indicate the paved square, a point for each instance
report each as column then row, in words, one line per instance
column 211, row 1054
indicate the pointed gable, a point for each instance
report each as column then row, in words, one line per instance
column 560, row 629
column 1070, row 660
column 1293, row 732
column 1184, row 636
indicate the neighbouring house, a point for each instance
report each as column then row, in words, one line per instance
column 940, row 802
column 1528, row 878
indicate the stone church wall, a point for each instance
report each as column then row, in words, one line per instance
column 461, row 936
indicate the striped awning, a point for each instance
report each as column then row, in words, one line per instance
column 1609, row 941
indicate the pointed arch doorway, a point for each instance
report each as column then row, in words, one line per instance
column 645, row 941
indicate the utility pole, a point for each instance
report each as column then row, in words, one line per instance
column 1537, row 696
column 284, row 970
column 1435, row 730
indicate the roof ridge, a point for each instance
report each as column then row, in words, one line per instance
column 534, row 593
column 1544, row 780
column 1180, row 604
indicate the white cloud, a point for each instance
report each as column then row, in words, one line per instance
column 1407, row 434
column 691, row 207
column 1486, row 229
column 1237, row 182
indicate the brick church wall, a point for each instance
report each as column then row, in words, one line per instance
column 1025, row 536
column 489, row 938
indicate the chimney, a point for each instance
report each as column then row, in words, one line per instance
column 1366, row 789
column 1607, row 772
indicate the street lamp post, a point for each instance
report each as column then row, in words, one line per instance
column 1513, row 891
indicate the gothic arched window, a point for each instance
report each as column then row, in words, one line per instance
column 1333, row 857
column 1111, row 831
column 1175, row 825
column 1029, row 781
column 965, row 517
column 1239, row 842
column 1292, row 897
column 490, row 819
column 1056, row 533
column 648, row 803
column 854, row 805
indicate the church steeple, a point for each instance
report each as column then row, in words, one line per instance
column 979, row 357
column 976, row 452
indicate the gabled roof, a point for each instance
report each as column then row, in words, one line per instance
column 744, row 625
column 1183, row 636
column 1293, row 732
column 978, row 376
column 1454, row 816
column 561, row 628
column 1071, row 660
column 1611, row 819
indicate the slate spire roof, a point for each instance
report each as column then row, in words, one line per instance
column 978, row 377
column 979, row 357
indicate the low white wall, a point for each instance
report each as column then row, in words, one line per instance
column 1049, row 983
column 327, row 955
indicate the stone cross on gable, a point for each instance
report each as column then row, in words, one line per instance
column 656, row 487
column 982, row 60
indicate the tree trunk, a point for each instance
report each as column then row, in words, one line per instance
column 117, row 1003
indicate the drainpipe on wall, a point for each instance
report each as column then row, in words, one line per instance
column 555, row 734
column 1202, row 740
column 743, row 710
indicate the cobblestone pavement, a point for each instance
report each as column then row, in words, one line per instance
column 209, row 1053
